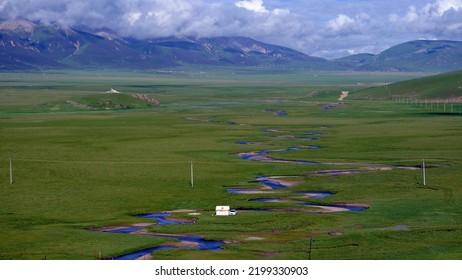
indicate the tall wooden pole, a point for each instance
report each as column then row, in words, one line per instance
column 192, row 175
column 311, row 246
column 11, row 171
column 423, row 172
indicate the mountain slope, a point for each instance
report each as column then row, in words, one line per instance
column 422, row 55
column 234, row 51
column 446, row 86
column 18, row 55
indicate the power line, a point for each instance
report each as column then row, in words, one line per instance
column 125, row 162
column 329, row 161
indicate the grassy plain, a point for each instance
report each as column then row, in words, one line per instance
column 76, row 168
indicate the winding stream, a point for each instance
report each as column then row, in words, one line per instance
column 272, row 184
column 185, row 241
column 312, row 208
column 263, row 156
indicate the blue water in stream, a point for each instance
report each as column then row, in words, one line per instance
column 203, row 245
column 339, row 206
column 161, row 219
column 314, row 194
column 263, row 156
column 270, row 183
column 242, row 190
column 265, row 199
column 277, row 112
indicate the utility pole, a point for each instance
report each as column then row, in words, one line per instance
column 423, row 172
column 311, row 246
column 11, row 172
column 192, row 175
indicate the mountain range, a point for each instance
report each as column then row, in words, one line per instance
column 25, row 45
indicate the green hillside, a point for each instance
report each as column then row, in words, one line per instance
column 443, row 86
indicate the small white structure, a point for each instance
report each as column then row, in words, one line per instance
column 222, row 210
column 112, row 91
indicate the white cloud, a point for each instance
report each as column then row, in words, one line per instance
column 345, row 24
column 252, row 5
column 412, row 14
column 281, row 12
column 340, row 22
column 440, row 7
column 258, row 6
column 133, row 17
column 440, row 19
column 432, row 11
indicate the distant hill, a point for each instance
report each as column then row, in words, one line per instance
column 28, row 46
column 444, row 86
column 426, row 56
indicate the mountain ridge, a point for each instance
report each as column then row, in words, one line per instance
column 25, row 45
column 439, row 55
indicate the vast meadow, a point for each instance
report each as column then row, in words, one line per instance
column 76, row 161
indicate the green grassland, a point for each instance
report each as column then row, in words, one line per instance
column 77, row 168
column 442, row 86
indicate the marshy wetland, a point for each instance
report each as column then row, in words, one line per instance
column 98, row 176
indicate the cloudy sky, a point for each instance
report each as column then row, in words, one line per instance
column 324, row 28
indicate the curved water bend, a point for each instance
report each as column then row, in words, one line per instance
column 162, row 219
column 321, row 208
column 193, row 241
column 263, row 156
column 315, row 194
column 202, row 244
column 271, row 183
